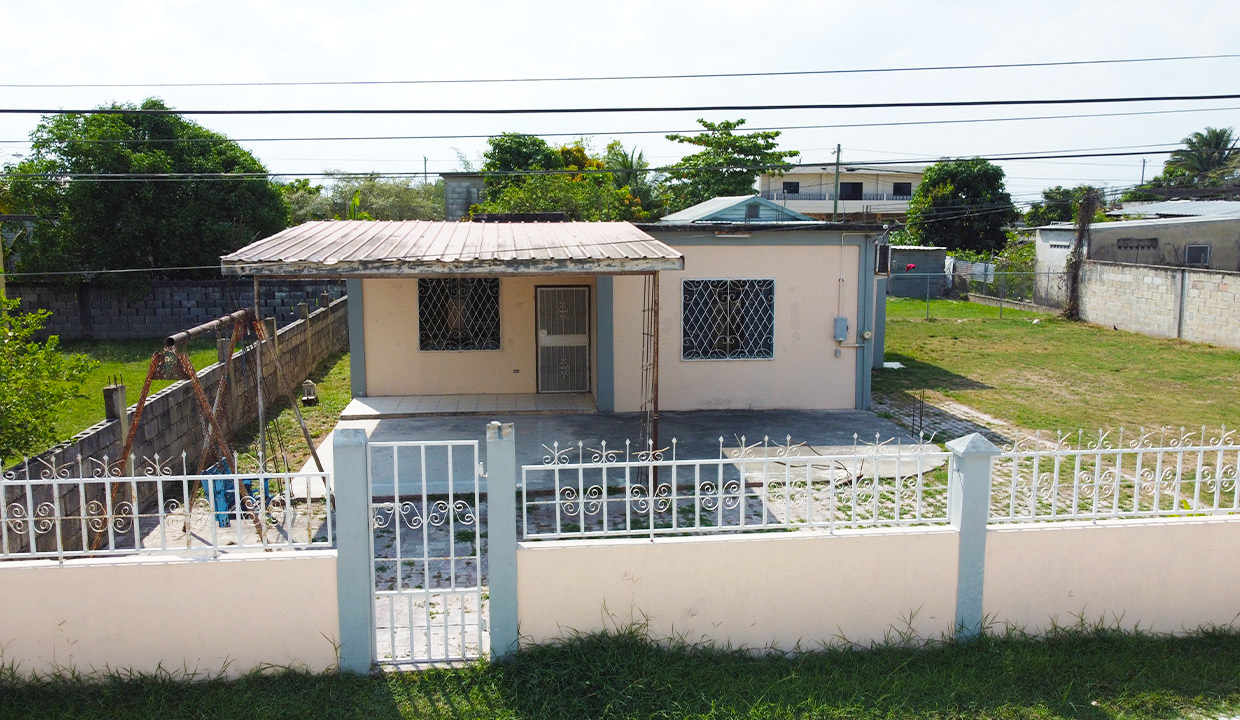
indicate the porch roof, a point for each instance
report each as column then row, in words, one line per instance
column 363, row 248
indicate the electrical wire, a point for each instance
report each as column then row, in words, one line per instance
column 679, row 76
column 625, row 109
column 781, row 128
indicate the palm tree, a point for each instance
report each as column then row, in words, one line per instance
column 1205, row 153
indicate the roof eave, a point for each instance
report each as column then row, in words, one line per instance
column 400, row 268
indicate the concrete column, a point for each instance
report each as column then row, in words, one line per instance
column 357, row 339
column 502, row 537
column 303, row 311
column 355, row 590
column 880, row 322
column 116, row 407
column 968, row 510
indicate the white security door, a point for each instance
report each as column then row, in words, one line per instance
column 563, row 339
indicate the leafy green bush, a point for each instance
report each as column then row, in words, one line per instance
column 35, row 378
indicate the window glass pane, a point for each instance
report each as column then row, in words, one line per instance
column 850, row 191
column 728, row 319
column 458, row 314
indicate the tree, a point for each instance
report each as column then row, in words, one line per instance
column 306, row 202
column 582, row 196
column 35, row 378
column 513, row 152
column 380, row 198
column 1058, row 205
column 728, row 163
column 629, row 169
column 1205, row 155
column 87, row 225
column 962, row 205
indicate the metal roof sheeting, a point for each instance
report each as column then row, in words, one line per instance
column 1182, row 208
column 421, row 247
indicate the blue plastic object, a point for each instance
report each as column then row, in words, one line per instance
column 223, row 494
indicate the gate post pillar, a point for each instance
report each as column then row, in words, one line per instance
column 354, row 558
column 502, row 537
column 968, row 511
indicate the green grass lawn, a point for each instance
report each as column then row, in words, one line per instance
column 1070, row 675
column 127, row 359
column 1053, row 374
column 285, row 443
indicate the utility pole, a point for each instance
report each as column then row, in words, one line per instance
column 835, row 209
column 1142, row 171
column 426, row 177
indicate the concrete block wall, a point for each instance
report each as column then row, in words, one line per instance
column 1147, row 299
column 90, row 312
column 172, row 423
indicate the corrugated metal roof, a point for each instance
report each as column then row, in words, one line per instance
column 1182, row 208
column 1149, row 222
column 706, row 210
column 420, row 247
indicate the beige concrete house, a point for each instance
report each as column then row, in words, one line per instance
column 867, row 194
column 595, row 316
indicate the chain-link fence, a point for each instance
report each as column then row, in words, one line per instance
column 983, row 283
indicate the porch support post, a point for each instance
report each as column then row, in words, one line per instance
column 968, row 510
column 357, row 339
column 606, row 371
column 355, row 591
column 880, row 322
column 865, row 323
column 502, row 537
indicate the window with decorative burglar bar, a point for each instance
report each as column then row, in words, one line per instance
column 728, row 319
column 458, row 314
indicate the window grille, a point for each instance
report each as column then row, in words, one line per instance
column 458, row 314
column 728, row 319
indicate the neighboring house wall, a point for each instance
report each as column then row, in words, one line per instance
column 395, row 365
column 167, row 307
column 813, row 284
column 816, row 190
column 1129, row 242
column 460, row 192
column 927, row 275
column 1196, row 305
column 1051, row 250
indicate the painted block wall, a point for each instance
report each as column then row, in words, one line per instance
column 781, row 590
column 813, row 284
column 395, row 365
column 1173, row 575
column 196, row 618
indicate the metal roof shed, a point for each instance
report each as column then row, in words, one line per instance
column 361, row 248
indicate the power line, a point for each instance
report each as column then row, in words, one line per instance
column 189, row 176
column 783, row 128
column 680, row 76
column 623, row 109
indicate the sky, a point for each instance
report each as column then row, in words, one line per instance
column 225, row 41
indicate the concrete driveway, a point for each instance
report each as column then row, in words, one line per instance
column 697, row 435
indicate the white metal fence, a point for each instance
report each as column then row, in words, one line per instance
column 96, row 508
column 584, row 492
column 1150, row 473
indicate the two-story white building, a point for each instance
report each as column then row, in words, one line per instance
column 869, row 194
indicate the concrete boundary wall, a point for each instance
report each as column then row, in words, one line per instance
column 804, row 590
column 181, row 617
column 1172, row 575
column 1186, row 303
column 782, row 590
column 95, row 313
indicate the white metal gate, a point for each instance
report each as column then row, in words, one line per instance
column 428, row 570
column 563, row 339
